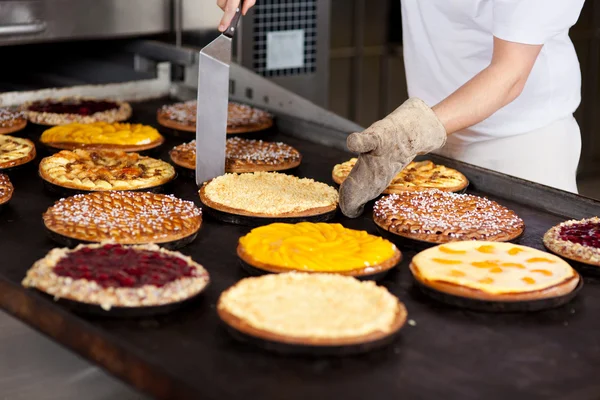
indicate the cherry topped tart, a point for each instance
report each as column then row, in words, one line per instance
column 113, row 275
column 68, row 110
column 576, row 240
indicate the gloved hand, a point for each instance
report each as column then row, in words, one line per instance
column 385, row 148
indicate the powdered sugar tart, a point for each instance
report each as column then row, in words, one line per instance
column 494, row 271
column 123, row 217
column 241, row 118
column 11, row 121
column 418, row 175
column 577, row 240
column 314, row 310
column 439, row 217
column 6, row 189
column 115, row 276
column 68, row 110
column 268, row 194
column 15, row 151
column 244, row 155
column 104, row 170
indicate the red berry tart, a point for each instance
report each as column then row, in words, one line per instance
column 576, row 240
column 68, row 110
column 112, row 275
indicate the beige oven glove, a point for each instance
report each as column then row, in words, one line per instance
column 385, row 148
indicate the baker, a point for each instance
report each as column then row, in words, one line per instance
column 491, row 82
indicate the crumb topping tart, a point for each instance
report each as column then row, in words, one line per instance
column 317, row 247
column 69, row 110
column 418, row 175
column 311, row 309
column 576, row 240
column 269, row 194
column 439, row 217
column 244, row 155
column 112, row 275
column 103, row 136
column 104, row 170
column 11, row 121
column 15, row 151
column 494, row 271
column 123, row 217
column 241, row 118
column 6, row 189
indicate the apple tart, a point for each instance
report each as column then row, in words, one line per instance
column 15, row 151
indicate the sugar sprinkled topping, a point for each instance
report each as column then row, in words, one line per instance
column 238, row 114
column 8, row 117
column 6, row 188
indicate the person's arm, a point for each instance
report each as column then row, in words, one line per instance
column 490, row 90
column 229, row 6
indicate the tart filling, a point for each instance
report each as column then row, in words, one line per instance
column 102, row 135
column 15, row 151
column 576, row 240
column 418, row 175
column 104, row 170
column 124, row 217
column 111, row 275
column 68, row 110
column 439, row 217
column 6, row 189
column 243, row 155
column 311, row 309
column 316, row 247
column 241, row 118
column 498, row 269
column 268, row 194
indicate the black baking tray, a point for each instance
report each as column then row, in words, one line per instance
column 444, row 352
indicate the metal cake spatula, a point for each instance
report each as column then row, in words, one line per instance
column 213, row 98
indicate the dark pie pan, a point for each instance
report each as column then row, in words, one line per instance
column 72, row 242
column 499, row 306
column 65, row 191
column 311, row 350
column 255, row 271
column 258, row 221
column 122, row 312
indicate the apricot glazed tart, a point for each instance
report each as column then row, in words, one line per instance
column 576, row 240
column 116, row 276
column 268, row 194
column 15, row 151
column 240, row 117
column 418, row 175
column 123, row 217
column 311, row 309
column 104, row 170
column 6, row 189
column 69, row 110
column 244, row 155
column 494, row 271
column 11, row 121
column 438, row 217
column 103, row 136
column 317, row 247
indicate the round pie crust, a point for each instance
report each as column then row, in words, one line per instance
column 10, row 144
column 572, row 251
column 11, row 121
column 6, row 189
column 120, row 114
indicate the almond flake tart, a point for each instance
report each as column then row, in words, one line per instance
column 482, row 274
column 244, row 155
column 104, row 170
column 240, row 117
column 6, row 189
column 11, row 121
column 102, row 136
column 434, row 216
column 74, row 109
column 123, row 217
column 265, row 197
column 299, row 312
column 577, row 241
column 113, row 279
column 317, row 247
column 15, row 151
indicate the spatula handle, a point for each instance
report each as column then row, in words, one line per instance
column 229, row 32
